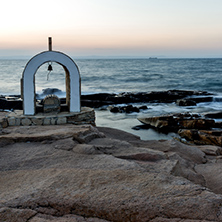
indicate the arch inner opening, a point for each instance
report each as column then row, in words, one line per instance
column 52, row 84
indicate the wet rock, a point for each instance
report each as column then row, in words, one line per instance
column 202, row 137
column 124, row 109
column 101, row 99
column 202, row 99
column 195, row 128
column 161, row 122
column 218, row 125
column 175, row 122
column 196, row 124
column 6, row 104
column 186, row 102
column 114, row 109
column 104, row 99
column 143, row 107
column 192, row 101
column 214, row 115
column 131, row 109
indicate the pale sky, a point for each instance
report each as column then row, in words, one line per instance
column 169, row 28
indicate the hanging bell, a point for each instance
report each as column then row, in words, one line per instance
column 50, row 68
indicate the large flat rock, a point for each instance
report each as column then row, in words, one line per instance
column 82, row 173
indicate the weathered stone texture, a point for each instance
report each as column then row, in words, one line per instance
column 86, row 116
column 47, row 121
column 61, row 120
column 178, row 121
column 37, row 121
column 82, row 173
column 53, row 121
column 3, row 123
column 202, row 137
column 26, row 122
column 194, row 128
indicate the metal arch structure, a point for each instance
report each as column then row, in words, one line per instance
column 73, row 88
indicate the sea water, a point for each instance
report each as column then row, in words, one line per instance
column 127, row 75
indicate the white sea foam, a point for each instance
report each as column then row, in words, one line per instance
column 127, row 75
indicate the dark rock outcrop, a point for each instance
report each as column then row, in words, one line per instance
column 104, row 99
column 126, row 109
column 11, row 104
column 186, row 102
column 100, row 99
column 214, row 115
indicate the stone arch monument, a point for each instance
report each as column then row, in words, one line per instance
column 73, row 90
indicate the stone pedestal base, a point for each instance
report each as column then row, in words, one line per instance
column 86, row 116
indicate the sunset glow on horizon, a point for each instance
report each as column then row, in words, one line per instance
column 168, row 28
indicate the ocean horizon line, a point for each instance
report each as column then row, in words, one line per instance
column 27, row 57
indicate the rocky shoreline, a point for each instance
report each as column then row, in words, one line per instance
column 192, row 128
column 84, row 173
column 181, row 97
column 189, row 127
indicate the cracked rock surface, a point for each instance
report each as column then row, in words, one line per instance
column 71, row 173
